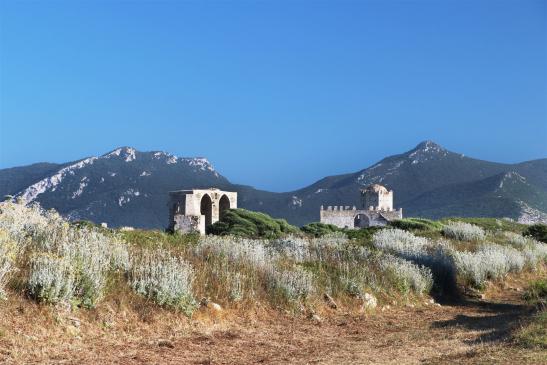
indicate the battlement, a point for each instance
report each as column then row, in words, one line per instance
column 376, row 210
column 341, row 208
column 338, row 208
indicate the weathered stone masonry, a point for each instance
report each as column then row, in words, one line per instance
column 193, row 210
column 377, row 210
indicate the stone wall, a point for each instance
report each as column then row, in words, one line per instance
column 346, row 217
column 338, row 216
column 382, row 199
column 191, row 210
column 189, row 223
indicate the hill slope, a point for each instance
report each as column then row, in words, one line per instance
column 128, row 187
column 431, row 169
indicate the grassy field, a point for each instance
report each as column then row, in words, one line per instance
column 470, row 291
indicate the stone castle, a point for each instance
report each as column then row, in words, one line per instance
column 377, row 210
column 193, row 210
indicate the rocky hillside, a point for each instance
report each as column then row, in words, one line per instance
column 432, row 182
column 128, row 187
column 122, row 187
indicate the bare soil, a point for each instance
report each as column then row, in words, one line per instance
column 467, row 331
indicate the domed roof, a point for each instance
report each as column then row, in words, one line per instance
column 375, row 188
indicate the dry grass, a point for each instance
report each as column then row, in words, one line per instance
column 127, row 329
column 272, row 294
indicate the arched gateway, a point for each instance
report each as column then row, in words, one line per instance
column 196, row 209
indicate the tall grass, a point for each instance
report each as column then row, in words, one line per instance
column 62, row 262
column 56, row 261
column 8, row 254
column 290, row 285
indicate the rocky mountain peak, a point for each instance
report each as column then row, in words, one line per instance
column 127, row 153
column 425, row 151
column 429, row 146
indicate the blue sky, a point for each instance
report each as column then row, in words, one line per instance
column 276, row 94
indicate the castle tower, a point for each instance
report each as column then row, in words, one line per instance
column 377, row 197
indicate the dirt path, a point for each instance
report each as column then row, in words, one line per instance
column 467, row 332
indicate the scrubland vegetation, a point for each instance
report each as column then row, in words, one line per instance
column 256, row 261
column 53, row 261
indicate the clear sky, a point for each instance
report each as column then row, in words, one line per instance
column 276, row 94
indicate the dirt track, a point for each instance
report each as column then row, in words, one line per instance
column 468, row 332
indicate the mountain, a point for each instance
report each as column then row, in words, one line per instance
column 122, row 187
column 15, row 179
column 128, row 187
column 430, row 181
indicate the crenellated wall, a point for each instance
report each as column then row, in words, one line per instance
column 377, row 210
column 346, row 217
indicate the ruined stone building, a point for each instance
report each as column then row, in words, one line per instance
column 193, row 210
column 377, row 210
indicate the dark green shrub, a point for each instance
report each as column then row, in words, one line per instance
column 419, row 224
column 319, row 229
column 242, row 222
column 537, row 231
column 363, row 234
column 84, row 224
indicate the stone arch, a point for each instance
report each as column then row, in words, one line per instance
column 223, row 205
column 361, row 220
column 206, row 209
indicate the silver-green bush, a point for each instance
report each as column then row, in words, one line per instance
column 164, row 278
column 292, row 284
column 51, row 279
column 412, row 277
column 463, row 231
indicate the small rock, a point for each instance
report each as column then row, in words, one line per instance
column 165, row 343
column 437, row 304
column 386, row 307
column 330, row 302
column 369, row 301
column 431, row 301
column 205, row 302
column 215, row 307
column 63, row 307
column 75, row 321
column 73, row 330
column 316, row 319
column 473, row 293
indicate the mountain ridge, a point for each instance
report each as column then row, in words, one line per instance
column 129, row 187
